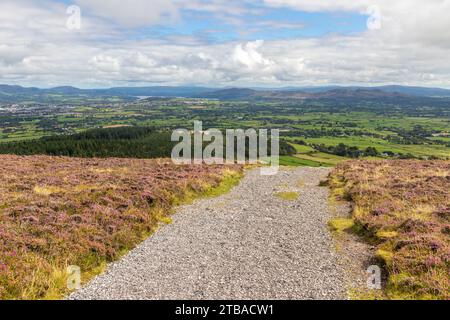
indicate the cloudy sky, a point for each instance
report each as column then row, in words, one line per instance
column 271, row 43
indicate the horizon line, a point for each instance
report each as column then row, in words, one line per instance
column 254, row 87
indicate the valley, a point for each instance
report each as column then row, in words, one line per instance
column 390, row 125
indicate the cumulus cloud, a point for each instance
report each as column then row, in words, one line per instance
column 105, row 63
column 131, row 13
column 249, row 56
column 400, row 21
column 323, row 5
column 411, row 46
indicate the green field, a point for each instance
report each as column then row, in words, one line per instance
column 382, row 145
column 393, row 131
column 323, row 158
column 297, row 162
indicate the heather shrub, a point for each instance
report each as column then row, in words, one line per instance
column 405, row 205
column 56, row 212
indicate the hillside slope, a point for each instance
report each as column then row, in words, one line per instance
column 56, row 212
column 404, row 207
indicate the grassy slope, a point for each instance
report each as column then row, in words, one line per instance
column 56, row 212
column 324, row 158
column 405, row 207
column 297, row 162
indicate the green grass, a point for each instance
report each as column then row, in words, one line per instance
column 324, row 159
column 444, row 139
column 288, row 196
column 372, row 121
column 301, row 148
column 296, row 162
column 230, row 179
column 341, row 224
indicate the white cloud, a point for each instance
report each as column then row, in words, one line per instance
column 131, row 13
column 322, row 5
column 412, row 47
column 248, row 55
column 399, row 21
column 105, row 63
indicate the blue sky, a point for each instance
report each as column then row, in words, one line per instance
column 270, row 24
column 258, row 22
column 225, row 42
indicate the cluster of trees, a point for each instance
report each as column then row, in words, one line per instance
column 353, row 152
column 133, row 142
column 418, row 135
column 323, row 131
column 125, row 142
column 286, row 149
column 344, row 150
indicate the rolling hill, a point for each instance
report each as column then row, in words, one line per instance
column 19, row 94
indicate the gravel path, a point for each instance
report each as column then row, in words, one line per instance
column 248, row 244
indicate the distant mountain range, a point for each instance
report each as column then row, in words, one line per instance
column 408, row 90
column 339, row 93
column 17, row 94
column 7, row 90
column 328, row 92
